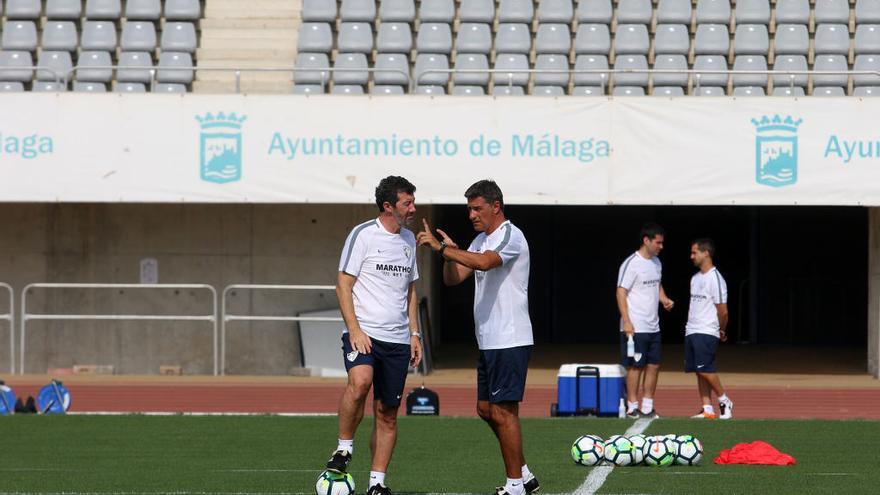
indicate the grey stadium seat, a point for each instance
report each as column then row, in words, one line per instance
column 709, row 91
column 553, row 38
column 173, row 68
column 792, row 12
column 750, row 62
column 832, row 39
column 23, row 9
column 357, row 11
column 129, row 67
column 711, row 39
column 347, row 89
column 89, row 87
column 786, row 91
column 477, row 11
column 143, row 10
column 434, row 37
column 748, row 91
column 867, row 11
column 713, row 12
column 752, row 12
column 99, row 60
column 667, row 91
column 384, row 90
column 437, row 11
column 471, row 61
column 791, row 39
column 319, row 11
column 394, row 37
column 710, row 62
column 130, row 88
column 548, row 91
column 830, row 63
column 516, row 11
column 474, row 38
column 11, row 63
column 103, row 9
column 355, row 37
column 392, row 61
column 867, row 62
column 355, row 65
column 468, row 90
column 832, row 11
column 430, row 89
column 628, row 91
column 867, row 91
column 592, row 38
column 631, row 62
column 631, row 38
column 64, row 9
column 311, row 68
column 594, row 11
column 58, row 66
column 591, row 62
column 397, row 11
column 559, row 11
column 60, row 35
column 511, row 62
column 634, row 11
column 674, row 12
column 790, row 62
column 672, row 39
column 829, row 91
column 587, row 91
column 867, row 39
column 670, row 62
column 11, row 87
column 182, row 10
column 513, row 38
column 169, row 88
column 308, row 89
column 431, row 61
column 138, row 36
column 552, row 62
column 179, row 37
column 98, row 35
column 751, row 39
column 508, row 91
column 48, row 87
column 20, row 35
column 315, row 37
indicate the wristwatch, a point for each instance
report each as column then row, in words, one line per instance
column 443, row 246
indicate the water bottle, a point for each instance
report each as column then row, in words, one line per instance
column 630, row 346
column 621, row 409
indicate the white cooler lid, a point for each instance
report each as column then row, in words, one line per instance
column 605, row 370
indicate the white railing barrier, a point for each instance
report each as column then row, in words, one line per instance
column 25, row 316
column 10, row 317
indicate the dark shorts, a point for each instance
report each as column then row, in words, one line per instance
column 646, row 343
column 501, row 374
column 390, row 364
column 699, row 352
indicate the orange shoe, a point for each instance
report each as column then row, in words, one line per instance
column 704, row 415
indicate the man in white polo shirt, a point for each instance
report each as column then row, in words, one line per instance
column 706, row 325
column 639, row 294
column 498, row 258
column 377, row 296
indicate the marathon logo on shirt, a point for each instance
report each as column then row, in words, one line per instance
column 698, row 297
column 393, row 270
column 655, row 281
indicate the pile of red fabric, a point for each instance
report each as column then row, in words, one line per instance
column 757, row 452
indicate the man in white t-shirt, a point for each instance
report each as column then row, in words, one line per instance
column 706, row 325
column 377, row 296
column 639, row 294
column 498, row 258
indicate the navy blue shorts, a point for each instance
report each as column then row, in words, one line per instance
column 646, row 343
column 390, row 364
column 699, row 352
column 501, row 374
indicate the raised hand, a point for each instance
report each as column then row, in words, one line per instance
column 425, row 237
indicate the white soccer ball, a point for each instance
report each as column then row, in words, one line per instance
column 619, row 451
column 333, row 483
column 638, row 442
column 588, row 450
column 659, row 451
column 689, row 450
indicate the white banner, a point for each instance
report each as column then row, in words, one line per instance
column 335, row 149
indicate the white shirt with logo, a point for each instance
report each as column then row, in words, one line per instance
column 385, row 266
column 501, row 295
column 641, row 278
column 707, row 290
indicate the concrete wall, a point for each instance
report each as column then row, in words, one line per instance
column 209, row 244
column 874, row 292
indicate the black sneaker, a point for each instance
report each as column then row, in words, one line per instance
column 651, row 415
column 634, row 414
column 379, row 489
column 531, row 485
column 338, row 462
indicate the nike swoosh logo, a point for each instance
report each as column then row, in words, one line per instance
column 700, row 365
column 496, row 392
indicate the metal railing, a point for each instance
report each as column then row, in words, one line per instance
column 10, row 317
column 232, row 317
column 25, row 316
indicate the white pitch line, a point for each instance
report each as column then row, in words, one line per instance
column 167, row 413
column 599, row 474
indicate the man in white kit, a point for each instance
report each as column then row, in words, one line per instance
column 639, row 294
column 706, row 325
column 498, row 258
column 377, row 296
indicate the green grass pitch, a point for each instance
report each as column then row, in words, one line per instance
column 270, row 454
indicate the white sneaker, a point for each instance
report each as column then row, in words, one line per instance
column 726, row 408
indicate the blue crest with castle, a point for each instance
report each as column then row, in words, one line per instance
column 220, row 152
column 776, row 150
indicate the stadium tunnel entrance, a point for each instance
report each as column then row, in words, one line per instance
column 798, row 276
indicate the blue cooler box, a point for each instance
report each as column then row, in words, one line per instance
column 589, row 389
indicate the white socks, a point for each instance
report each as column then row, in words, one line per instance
column 525, row 472
column 647, row 405
column 631, row 406
column 723, row 398
column 708, row 409
column 376, row 478
column 515, row 486
column 346, row 445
